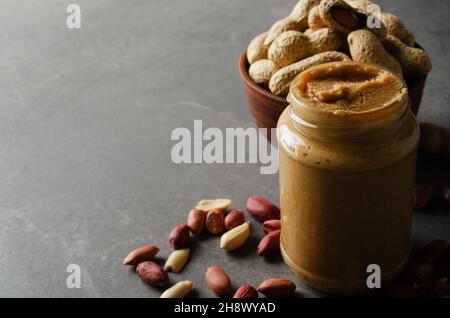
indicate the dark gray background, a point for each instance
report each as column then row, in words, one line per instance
column 85, row 123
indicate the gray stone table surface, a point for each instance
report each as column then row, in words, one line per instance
column 85, row 123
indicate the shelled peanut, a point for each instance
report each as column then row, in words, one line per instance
column 315, row 27
column 235, row 237
column 139, row 255
column 179, row 290
column 176, row 261
column 218, row 281
column 277, row 288
column 435, row 139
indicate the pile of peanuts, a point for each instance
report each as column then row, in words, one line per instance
column 418, row 277
column 321, row 31
column 210, row 216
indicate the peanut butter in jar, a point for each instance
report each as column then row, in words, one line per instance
column 348, row 145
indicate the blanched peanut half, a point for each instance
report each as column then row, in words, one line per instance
column 216, row 204
column 177, row 260
column 236, row 237
column 179, row 290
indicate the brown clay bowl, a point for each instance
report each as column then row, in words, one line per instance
column 266, row 107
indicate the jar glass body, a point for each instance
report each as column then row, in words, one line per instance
column 346, row 194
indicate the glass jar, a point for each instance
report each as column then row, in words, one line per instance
column 346, row 185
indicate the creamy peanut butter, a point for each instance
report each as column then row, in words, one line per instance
column 347, row 87
column 347, row 168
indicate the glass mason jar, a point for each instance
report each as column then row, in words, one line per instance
column 346, row 185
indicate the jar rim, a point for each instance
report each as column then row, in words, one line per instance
column 295, row 98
